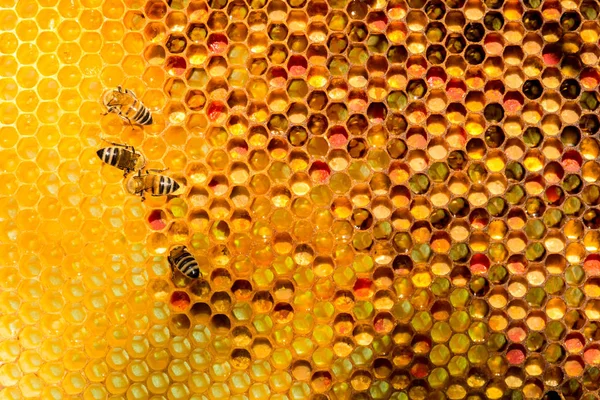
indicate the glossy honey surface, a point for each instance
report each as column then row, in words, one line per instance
column 387, row 200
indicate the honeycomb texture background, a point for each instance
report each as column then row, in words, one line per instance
column 387, row 199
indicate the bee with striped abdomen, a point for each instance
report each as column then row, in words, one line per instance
column 121, row 156
column 156, row 185
column 124, row 103
column 181, row 259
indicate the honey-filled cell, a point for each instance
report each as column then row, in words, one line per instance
column 290, row 199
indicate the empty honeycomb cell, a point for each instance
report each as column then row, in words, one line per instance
column 112, row 53
column 113, row 9
column 386, row 200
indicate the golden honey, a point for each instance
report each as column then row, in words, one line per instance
column 387, row 200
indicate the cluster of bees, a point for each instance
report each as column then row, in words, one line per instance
column 126, row 105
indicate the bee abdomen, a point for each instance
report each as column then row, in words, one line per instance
column 109, row 155
column 188, row 266
column 167, row 185
column 143, row 116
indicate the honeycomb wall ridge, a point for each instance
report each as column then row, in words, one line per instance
column 387, row 200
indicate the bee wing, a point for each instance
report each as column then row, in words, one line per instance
column 143, row 160
column 115, row 144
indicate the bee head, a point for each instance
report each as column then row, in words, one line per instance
column 134, row 185
column 112, row 98
column 177, row 250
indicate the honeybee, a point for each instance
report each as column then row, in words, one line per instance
column 124, row 103
column 180, row 258
column 121, row 156
column 156, row 185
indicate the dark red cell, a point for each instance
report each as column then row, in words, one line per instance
column 552, row 54
column 176, row 65
column 517, row 334
column 592, row 356
column 338, row 137
column 319, row 172
column 589, row 77
column 297, row 65
column 513, row 102
column 436, row 77
column 156, row 219
column 456, row 89
column 419, row 370
column 277, row 77
column 517, row 265
column 591, row 265
column 554, row 194
column 180, row 300
column 515, row 356
column 572, row 161
column 363, row 287
column 216, row 109
column 479, row 264
column 217, row 43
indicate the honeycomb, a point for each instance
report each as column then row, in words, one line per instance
column 387, row 200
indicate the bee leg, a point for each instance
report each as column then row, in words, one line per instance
column 131, row 124
column 116, row 144
column 124, row 118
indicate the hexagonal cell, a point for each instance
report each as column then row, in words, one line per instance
column 383, row 197
column 176, row 43
column 197, row 32
column 155, row 9
column 195, row 100
column 176, row 21
column 237, row 32
column 217, row 43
